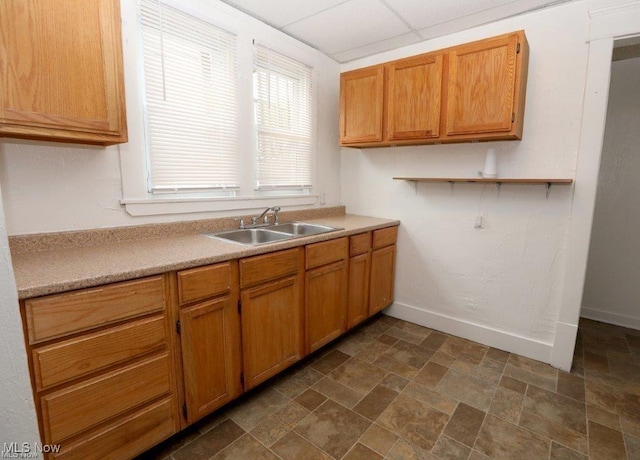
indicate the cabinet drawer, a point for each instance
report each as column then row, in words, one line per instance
column 61, row 314
column 258, row 269
column 74, row 409
column 127, row 437
column 326, row 252
column 83, row 355
column 385, row 237
column 203, row 282
column 359, row 244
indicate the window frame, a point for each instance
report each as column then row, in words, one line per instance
column 137, row 199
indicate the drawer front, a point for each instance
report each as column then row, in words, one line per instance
column 318, row 254
column 83, row 355
column 127, row 437
column 359, row 244
column 74, row 409
column 385, row 237
column 61, row 314
column 203, row 282
column 254, row 270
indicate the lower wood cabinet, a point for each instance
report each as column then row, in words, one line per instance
column 78, row 407
column 210, row 338
column 116, row 369
column 383, row 266
column 125, row 437
column 103, row 374
column 359, row 272
column 272, row 313
column 209, row 329
column 326, row 292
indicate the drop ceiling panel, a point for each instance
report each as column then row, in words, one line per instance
column 377, row 47
column 279, row 13
column 350, row 29
column 425, row 13
column 350, row 25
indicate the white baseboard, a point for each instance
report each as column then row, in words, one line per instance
column 610, row 318
column 502, row 340
column 564, row 345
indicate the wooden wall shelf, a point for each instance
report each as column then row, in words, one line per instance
column 496, row 180
column 485, row 180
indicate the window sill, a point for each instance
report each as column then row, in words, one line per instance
column 159, row 206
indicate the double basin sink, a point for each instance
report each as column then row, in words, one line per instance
column 272, row 233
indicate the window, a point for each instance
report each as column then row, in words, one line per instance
column 191, row 116
column 283, row 100
column 216, row 123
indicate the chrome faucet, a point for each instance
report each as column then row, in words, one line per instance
column 256, row 221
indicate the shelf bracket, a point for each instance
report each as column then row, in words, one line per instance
column 452, row 184
column 548, row 189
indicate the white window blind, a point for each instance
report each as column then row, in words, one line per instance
column 190, row 75
column 283, row 96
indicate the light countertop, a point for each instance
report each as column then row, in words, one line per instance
column 51, row 271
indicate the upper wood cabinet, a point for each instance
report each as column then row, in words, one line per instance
column 361, row 105
column 484, row 87
column 415, row 88
column 471, row 92
column 61, row 76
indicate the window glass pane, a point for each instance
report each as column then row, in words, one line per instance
column 190, row 77
column 283, row 96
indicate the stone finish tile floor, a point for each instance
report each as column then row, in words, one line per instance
column 394, row 390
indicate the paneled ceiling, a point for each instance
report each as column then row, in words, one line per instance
column 350, row 29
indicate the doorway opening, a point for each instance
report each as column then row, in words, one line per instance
column 608, row 338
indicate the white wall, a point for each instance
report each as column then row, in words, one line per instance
column 16, row 401
column 501, row 285
column 54, row 187
column 611, row 290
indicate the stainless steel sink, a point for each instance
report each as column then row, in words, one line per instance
column 251, row 236
column 272, row 234
column 302, row 228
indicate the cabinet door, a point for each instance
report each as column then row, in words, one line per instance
column 361, row 105
column 482, row 83
column 210, row 337
column 326, row 303
column 61, row 73
column 415, row 88
column 358, row 306
column 271, row 328
column 383, row 264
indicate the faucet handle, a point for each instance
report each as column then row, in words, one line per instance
column 275, row 210
column 241, row 223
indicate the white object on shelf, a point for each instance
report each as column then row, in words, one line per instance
column 490, row 165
